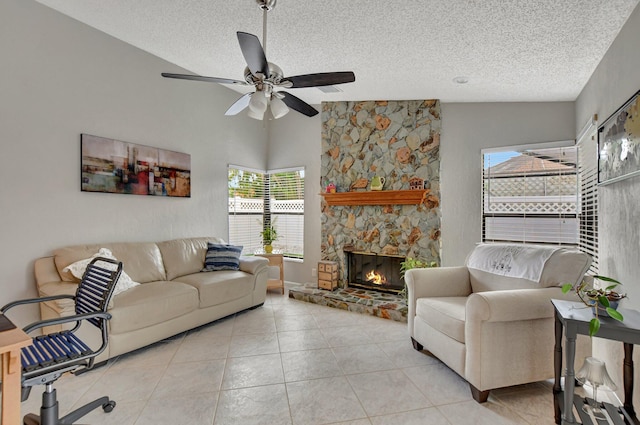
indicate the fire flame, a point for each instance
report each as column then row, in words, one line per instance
column 376, row 278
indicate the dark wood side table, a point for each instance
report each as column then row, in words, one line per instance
column 574, row 317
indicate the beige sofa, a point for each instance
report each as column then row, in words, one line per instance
column 494, row 329
column 173, row 296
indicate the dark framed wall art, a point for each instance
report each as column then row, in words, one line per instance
column 113, row 166
column 619, row 143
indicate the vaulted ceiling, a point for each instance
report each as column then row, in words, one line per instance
column 508, row 50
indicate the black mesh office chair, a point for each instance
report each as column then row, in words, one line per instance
column 53, row 354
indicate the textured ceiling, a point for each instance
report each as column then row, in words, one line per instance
column 510, row 50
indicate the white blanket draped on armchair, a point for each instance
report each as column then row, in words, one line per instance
column 518, row 261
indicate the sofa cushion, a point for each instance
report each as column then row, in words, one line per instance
column 220, row 287
column 150, row 304
column 564, row 265
column 184, row 256
column 222, row 257
column 446, row 314
column 78, row 268
column 141, row 260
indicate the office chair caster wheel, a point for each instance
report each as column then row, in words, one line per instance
column 109, row 406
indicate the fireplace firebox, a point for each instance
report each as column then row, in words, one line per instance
column 374, row 271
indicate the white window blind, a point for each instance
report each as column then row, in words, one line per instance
column 588, row 180
column 287, row 210
column 530, row 194
column 258, row 198
column 246, row 208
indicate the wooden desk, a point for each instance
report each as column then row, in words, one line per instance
column 11, row 342
column 276, row 260
column 574, row 318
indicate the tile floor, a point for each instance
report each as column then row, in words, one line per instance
column 291, row 362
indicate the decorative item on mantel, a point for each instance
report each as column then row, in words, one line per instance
column 360, row 184
column 331, row 188
column 416, row 183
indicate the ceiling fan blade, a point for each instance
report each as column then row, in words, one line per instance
column 253, row 53
column 322, row 79
column 239, row 105
column 207, row 79
column 298, row 104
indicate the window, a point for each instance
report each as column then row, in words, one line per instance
column 530, row 194
column 286, row 188
column 246, row 208
column 257, row 198
column 588, row 180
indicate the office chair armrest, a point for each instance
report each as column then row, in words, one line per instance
column 61, row 320
column 34, row 300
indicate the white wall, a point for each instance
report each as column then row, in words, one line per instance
column 614, row 81
column 61, row 78
column 466, row 129
column 294, row 140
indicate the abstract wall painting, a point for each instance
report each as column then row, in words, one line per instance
column 113, row 166
column 619, row 143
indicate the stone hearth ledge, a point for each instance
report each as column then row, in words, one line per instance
column 373, row 303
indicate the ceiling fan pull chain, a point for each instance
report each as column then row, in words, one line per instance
column 264, row 31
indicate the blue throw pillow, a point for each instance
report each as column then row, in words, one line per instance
column 222, row 257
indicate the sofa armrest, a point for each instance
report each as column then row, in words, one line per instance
column 253, row 264
column 513, row 305
column 45, row 271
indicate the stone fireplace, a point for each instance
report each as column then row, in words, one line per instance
column 398, row 141
column 373, row 271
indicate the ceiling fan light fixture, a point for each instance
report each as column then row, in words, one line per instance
column 264, row 76
column 266, row 4
column 278, row 108
column 256, row 115
column 258, row 102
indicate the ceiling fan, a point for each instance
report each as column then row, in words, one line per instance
column 266, row 77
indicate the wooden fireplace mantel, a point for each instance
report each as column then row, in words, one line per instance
column 377, row 197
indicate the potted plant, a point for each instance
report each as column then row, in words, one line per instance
column 269, row 234
column 602, row 301
column 412, row 263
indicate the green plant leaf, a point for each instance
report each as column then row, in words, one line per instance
column 566, row 288
column 594, row 326
column 413, row 263
column 607, row 279
column 615, row 314
column 604, row 301
column 610, row 287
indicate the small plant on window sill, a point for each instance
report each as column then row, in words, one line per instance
column 412, row 263
column 603, row 301
column 269, row 235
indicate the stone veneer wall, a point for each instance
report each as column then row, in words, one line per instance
column 396, row 140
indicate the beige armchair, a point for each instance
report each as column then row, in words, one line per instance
column 491, row 321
